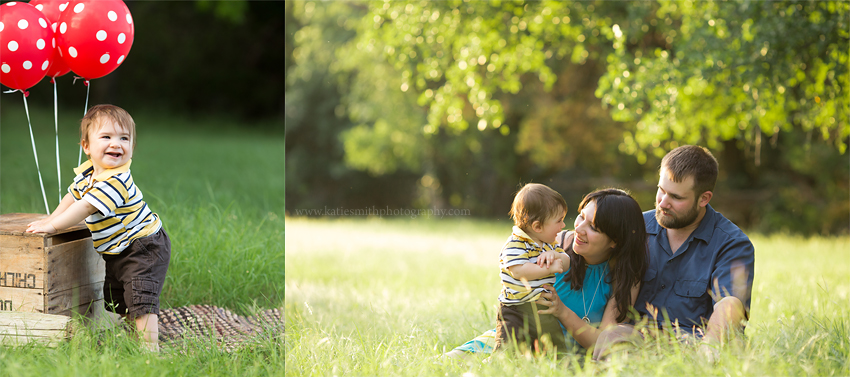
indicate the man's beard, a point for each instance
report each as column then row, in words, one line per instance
column 674, row 222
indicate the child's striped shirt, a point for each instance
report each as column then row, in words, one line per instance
column 521, row 249
column 122, row 216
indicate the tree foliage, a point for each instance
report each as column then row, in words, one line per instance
column 706, row 72
column 466, row 100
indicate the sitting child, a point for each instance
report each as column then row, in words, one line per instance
column 529, row 260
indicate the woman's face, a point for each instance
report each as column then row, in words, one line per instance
column 589, row 242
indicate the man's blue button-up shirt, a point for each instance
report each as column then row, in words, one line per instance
column 714, row 262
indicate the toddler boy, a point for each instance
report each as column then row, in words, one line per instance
column 529, row 260
column 124, row 231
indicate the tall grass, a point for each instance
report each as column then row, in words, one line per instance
column 113, row 353
column 218, row 188
column 386, row 296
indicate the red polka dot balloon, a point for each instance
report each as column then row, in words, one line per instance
column 94, row 36
column 25, row 39
column 52, row 9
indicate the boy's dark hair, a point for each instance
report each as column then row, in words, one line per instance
column 112, row 112
column 536, row 202
column 692, row 161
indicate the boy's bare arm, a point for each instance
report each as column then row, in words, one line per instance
column 545, row 259
column 73, row 214
column 66, row 202
column 531, row 271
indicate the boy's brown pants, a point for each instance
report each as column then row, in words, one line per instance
column 521, row 322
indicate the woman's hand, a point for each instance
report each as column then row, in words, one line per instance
column 551, row 299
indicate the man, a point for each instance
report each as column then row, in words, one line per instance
column 700, row 264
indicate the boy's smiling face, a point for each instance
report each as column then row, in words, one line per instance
column 547, row 231
column 109, row 146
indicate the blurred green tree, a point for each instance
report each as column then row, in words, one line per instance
column 694, row 72
column 460, row 63
column 474, row 98
column 316, row 116
column 764, row 82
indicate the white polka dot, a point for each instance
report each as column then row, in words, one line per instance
column 40, row 44
column 53, row 26
column 60, row 53
column 5, row 68
column 112, row 16
column 104, row 58
column 121, row 38
column 11, row 4
column 62, row 27
column 120, row 59
column 54, row 42
column 129, row 19
column 40, row 7
column 27, row 64
column 23, row 24
column 79, row 7
column 72, row 51
column 42, row 22
column 45, row 65
column 63, row 6
column 2, row 26
column 13, row 46
column 101, row 35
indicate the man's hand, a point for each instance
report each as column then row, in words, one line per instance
column 40, row 226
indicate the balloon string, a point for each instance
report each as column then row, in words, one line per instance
column 35, row 154
column 88, row 87
column 26, row 93
column 56, row 123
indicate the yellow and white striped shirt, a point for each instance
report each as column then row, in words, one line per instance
column 122, row 216
column 521, row 249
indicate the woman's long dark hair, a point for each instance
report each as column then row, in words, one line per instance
column 617, row 215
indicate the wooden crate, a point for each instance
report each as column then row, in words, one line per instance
column 17, row 329
column 60, row 273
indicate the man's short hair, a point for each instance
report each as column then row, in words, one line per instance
column 536, row 202
column 692, row 161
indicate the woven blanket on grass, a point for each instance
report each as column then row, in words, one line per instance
column 230, row 331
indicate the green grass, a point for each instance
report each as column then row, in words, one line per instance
column 386, row 296
column 218, row 187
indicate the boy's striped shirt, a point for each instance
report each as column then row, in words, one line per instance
column 521, row 249
column 122, row 216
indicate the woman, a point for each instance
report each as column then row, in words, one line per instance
column 607, row 262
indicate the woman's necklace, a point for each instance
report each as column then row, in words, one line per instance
column 585, row 319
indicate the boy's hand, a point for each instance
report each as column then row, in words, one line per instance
column 557, row 266
column 545, row 259
column 40, row 227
